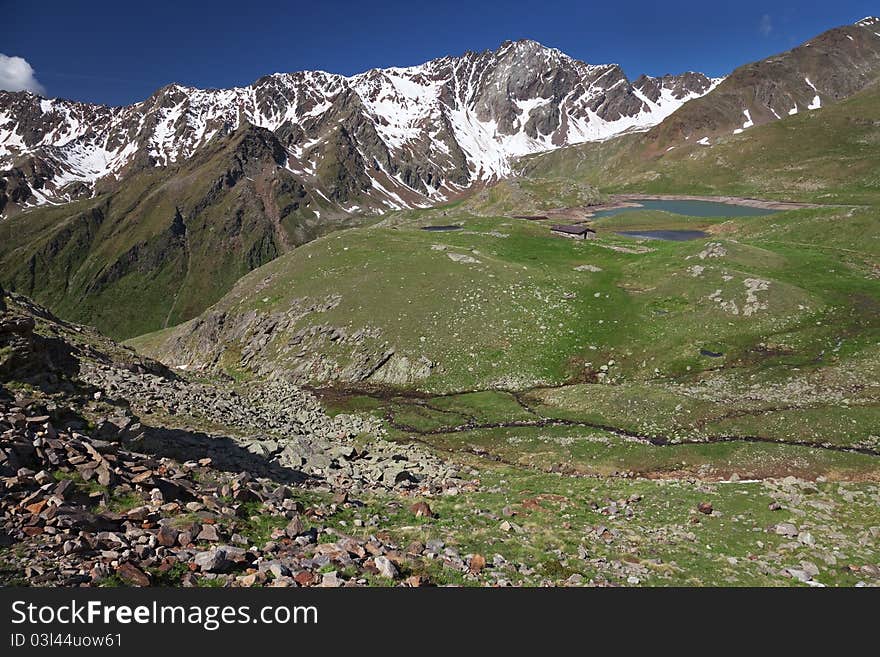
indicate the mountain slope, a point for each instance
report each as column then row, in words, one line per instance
column 166, row 203
column 389, row 138
column 823, row 70
column 829, row 155
column 167, row 243
column 117, row 472
column 199, row 187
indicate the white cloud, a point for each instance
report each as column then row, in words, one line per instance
column 765, row 25
column 17, row 75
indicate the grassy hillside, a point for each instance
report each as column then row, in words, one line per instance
column 757, row 332
column 648, row 370
column 752, row 350
column 657, row 427
column 501, row 302
column 529, row 196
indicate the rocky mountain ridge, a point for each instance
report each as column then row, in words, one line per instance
column 383, row 139
column 828, row 68
column 181, row 195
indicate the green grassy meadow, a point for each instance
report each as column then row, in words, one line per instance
column 571, row 373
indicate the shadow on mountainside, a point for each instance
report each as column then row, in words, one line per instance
column 225, row 453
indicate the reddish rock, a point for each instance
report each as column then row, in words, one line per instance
column 36, row 507
column 705, row 507
column 167, row 536
column 422, row 510
column 133, row 575
column 477, row 563
column 305, row 578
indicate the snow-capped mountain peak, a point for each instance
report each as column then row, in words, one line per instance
column 410, row 135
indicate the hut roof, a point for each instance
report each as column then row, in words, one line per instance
column 572, row 230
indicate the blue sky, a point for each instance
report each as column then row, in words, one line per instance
column 118, row 53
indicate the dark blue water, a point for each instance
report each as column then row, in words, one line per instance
column 690, row 209
column 666, row 235
column 438, row 229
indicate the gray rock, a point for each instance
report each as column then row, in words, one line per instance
column 798, row 574
column 331, row 580
column 294, row 527
column 810, row 568
column 786, row 529
column 278, row 569
column 386, row 568
column 212, row 561
column 396, row 474
column 208, row 533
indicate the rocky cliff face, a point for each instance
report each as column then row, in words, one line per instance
column 384, row 139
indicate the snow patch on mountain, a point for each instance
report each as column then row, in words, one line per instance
column 488, row 108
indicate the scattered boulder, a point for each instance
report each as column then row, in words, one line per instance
column 461, row 257
column 131, row 574
column 477, row 563
column 422, row 510
column 208, row 533
column 386, row 568
column 786, row 529
column 295, row 527
column 212, row 561
column 167, row 536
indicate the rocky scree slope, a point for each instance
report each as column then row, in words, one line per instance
column 94, row 494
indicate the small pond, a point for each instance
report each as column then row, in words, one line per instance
column 666, row 235
column 440, row 229
column 690, row 209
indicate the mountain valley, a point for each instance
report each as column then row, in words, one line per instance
column 435, row 326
